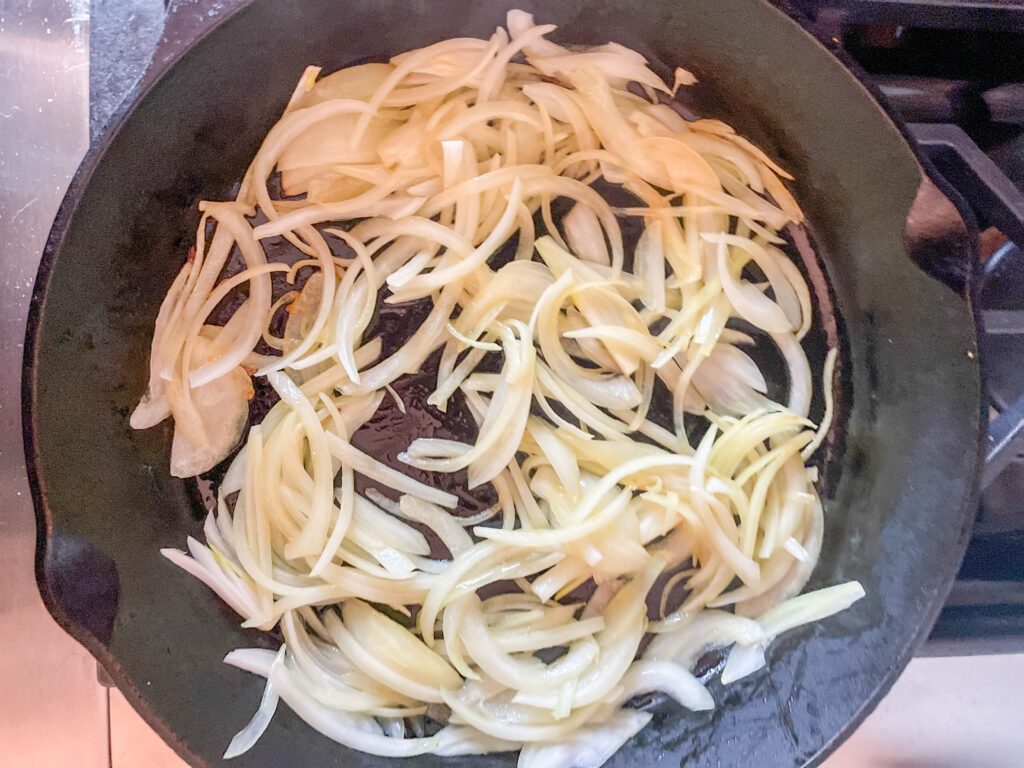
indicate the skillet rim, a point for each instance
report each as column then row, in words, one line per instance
column 55, row 241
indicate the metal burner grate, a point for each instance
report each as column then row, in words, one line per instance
column 985, row 609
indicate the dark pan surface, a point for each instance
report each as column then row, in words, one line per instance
column 895, row 519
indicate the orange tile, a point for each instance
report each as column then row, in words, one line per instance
column 52, row 711
column 133, row 743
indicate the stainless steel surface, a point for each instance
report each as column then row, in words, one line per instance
column 134, row 40
column 51, row 710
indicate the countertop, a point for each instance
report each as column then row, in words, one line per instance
column 954, row 711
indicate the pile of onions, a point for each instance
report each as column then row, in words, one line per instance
column 525, row 631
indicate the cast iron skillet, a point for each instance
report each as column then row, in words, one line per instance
column 896, row 519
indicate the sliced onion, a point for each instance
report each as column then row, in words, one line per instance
column 387, row 651
column 669, row 678
column 246, row 738
column 426, row 167
column 590, row 746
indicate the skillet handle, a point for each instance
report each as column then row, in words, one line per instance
column 79, row 584
column 999, row 203
column 962, row 163
column 940, row 233
column 941, row 236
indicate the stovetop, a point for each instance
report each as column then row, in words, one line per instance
column 953, row 70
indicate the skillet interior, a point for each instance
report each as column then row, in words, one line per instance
column 895, row 519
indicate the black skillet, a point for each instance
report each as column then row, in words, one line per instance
column 905, row 468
